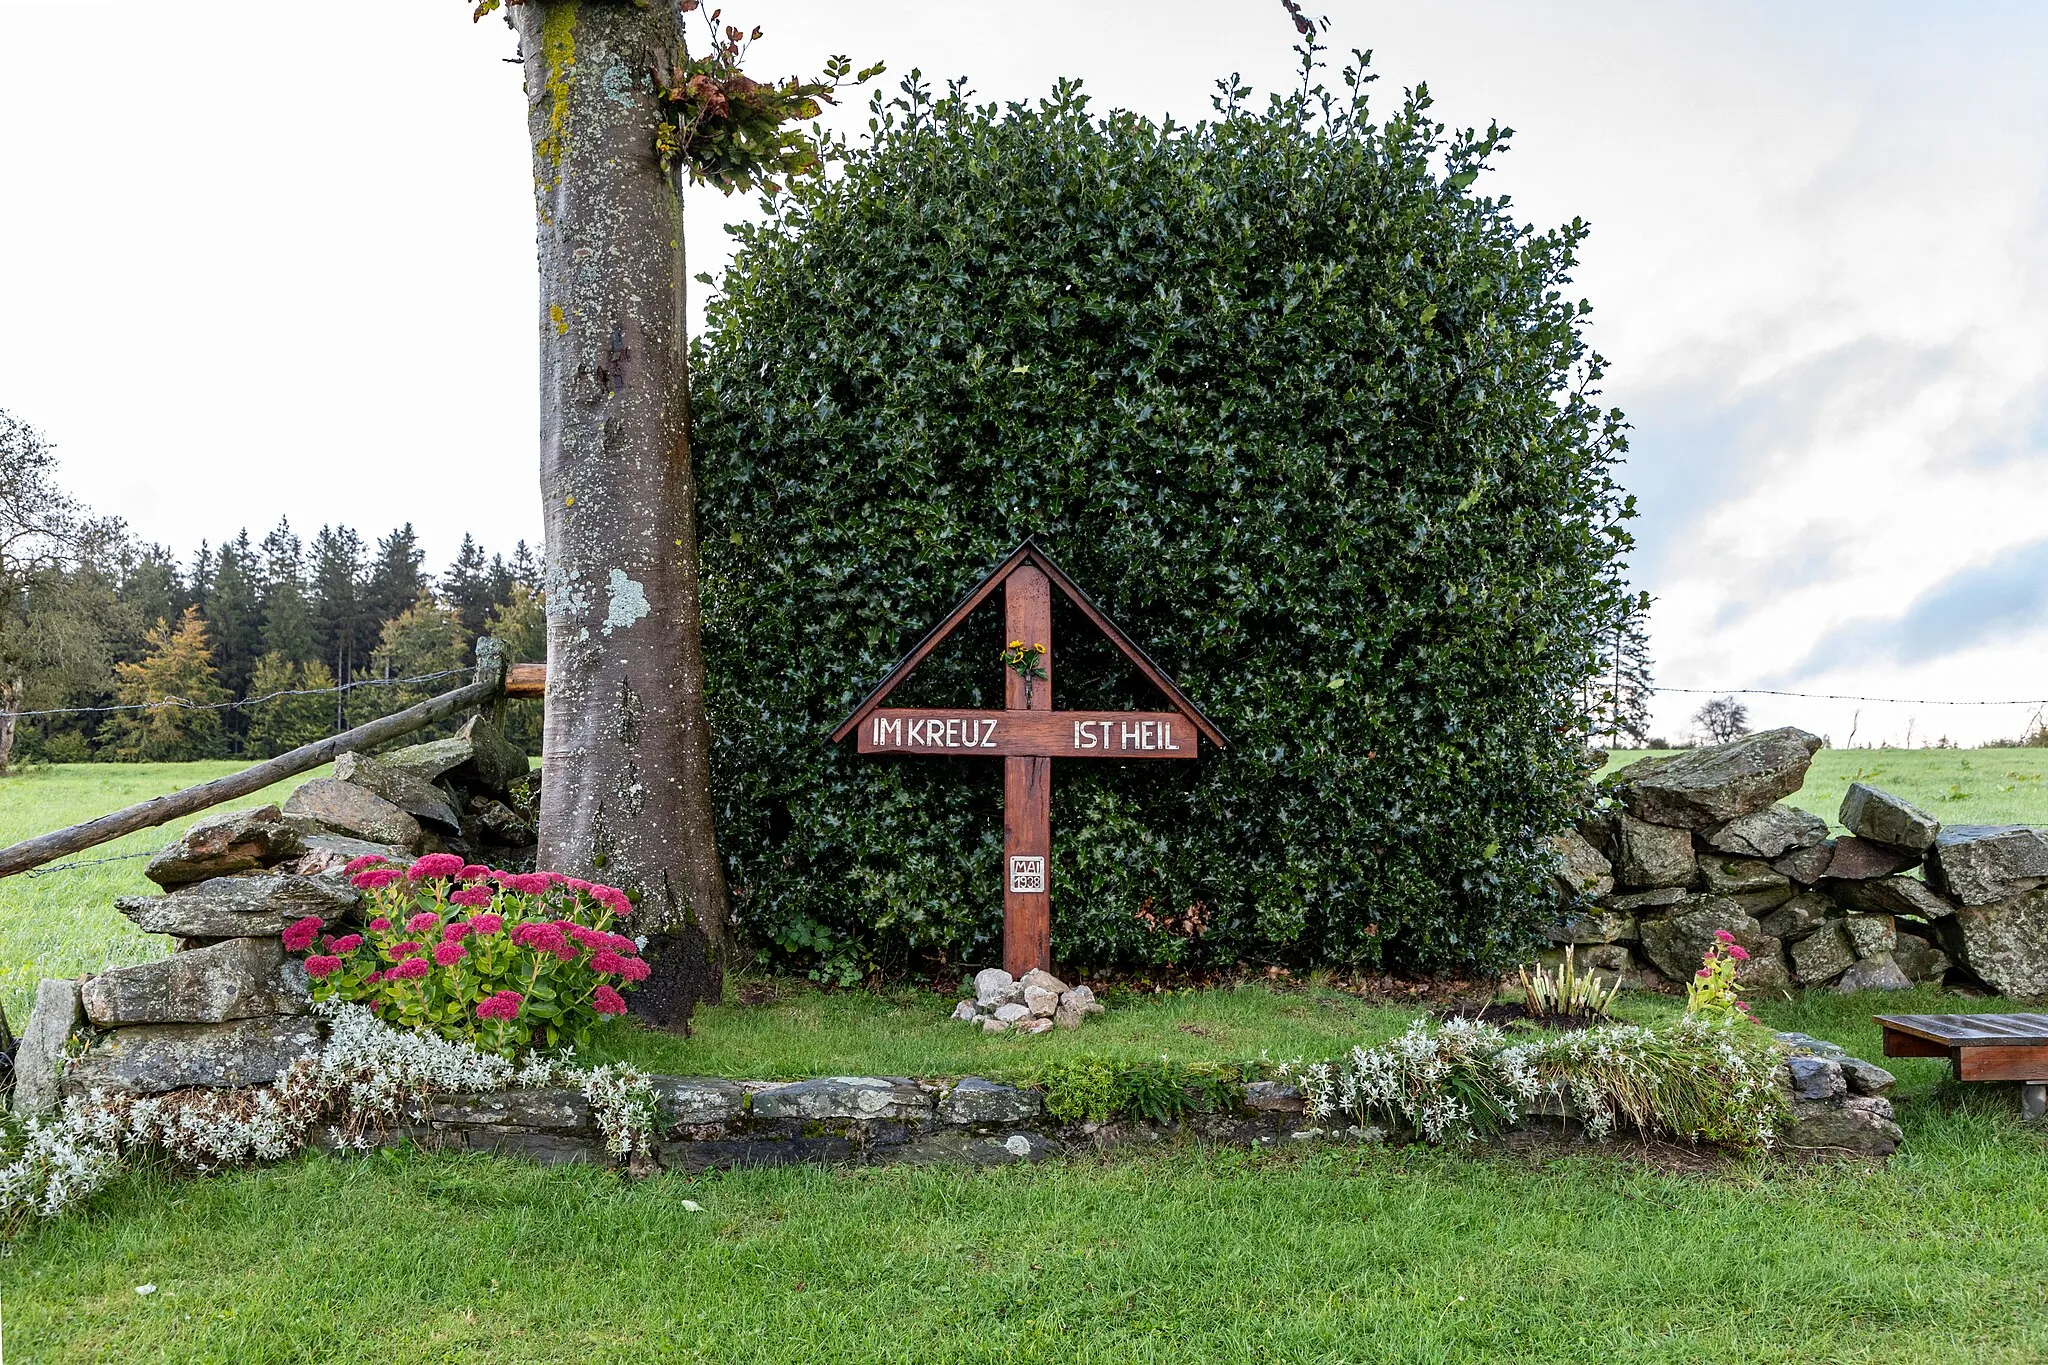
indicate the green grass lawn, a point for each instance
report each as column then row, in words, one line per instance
column 1181, row 1254
column 1956, row 786
column 65, row 923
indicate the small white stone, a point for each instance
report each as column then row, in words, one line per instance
column 965, row 1012
column 692, row 1206
column 992, row 986
column 1040, row 1002
column 995, row 1025
column 1010, row 1014
column 1017, row 1145
column 1035, row 1026
column 1045, row 981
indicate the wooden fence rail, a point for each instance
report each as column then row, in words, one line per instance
column 490, row 683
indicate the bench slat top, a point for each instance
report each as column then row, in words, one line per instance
column 1971, row 1030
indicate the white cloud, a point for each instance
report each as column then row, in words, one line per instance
column 278, row 261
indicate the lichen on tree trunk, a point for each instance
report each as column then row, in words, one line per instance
column 625, row 796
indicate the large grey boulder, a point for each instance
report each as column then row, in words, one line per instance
column 1678, row 944
column 1858, row 860
column 1822, row 956
column 345, row 808
column 1651, row 855
column 1725, row 876
column 238, row 978
column 1919, row 959
column 477, row 757
column 691, row 1100
column 151, row 1059
column 242, row 907
column 975, row 1100
column 1769, row 833
column 844, row 1097
column 1582, row 870
column 1855, row 1125
column 1873, row 935
column 224, row 843
column 1874, row 974
column 39, row 1052
column 1816, row 1078
column 1806, row 865
column 1870, row 813
column 1987, row 864
column 1797, row 917
column 1715, row 785
column 1891, row 896
column 2004, row 945
column 414, row 795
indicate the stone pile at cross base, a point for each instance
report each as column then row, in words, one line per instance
column 228, row 1007
column 1674, row 849
column 1036, row 1002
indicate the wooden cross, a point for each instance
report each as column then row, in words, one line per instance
column 1028, row 734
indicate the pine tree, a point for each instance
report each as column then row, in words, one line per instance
column 232, row 615
column 525, row 568
column 337, row 587
column 1617, row 695
column 149, row 585
column 178, row 665
column 287, row 722
column 201, row 581
column 288, row 625
column 466, row 587
column 395, row 578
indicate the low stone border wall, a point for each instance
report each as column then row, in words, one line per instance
column 1838, row 1108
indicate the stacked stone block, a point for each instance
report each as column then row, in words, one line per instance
column 228, row 1007
column 1687, row 846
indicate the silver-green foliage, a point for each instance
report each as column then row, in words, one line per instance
column 1307, row 414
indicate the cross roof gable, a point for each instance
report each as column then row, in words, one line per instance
column 1029, row 552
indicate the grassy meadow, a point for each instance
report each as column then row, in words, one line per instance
column 1955, row 786
column 62, row 923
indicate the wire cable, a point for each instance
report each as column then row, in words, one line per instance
column 182, row 704
column 1836, row 696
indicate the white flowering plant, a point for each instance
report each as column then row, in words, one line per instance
column 1699, row 1080
column 367, row 1077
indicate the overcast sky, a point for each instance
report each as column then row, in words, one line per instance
column 263, row 260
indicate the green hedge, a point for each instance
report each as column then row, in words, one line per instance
column 1306, row 415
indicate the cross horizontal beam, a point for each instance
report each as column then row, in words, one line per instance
column 1032, row 734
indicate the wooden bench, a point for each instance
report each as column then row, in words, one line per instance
column 1981, row 1047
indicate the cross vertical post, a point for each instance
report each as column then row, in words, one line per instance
column 1027, row 785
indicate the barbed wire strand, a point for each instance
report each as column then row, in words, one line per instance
column 180, row 703
column 88, row 862
column 1837, row 696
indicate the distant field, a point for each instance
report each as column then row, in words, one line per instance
column 65, row 923
column 1955, row 786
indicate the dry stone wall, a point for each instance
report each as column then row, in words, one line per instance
column 1676, row 849
column 228, row 1007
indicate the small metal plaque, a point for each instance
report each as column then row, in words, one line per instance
column 1027, row 876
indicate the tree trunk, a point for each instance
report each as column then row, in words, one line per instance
column 626, row 793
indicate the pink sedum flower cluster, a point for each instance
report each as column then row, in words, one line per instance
column 506, row 960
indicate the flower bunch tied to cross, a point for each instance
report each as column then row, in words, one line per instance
column 505, row 960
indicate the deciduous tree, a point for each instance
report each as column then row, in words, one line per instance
column 619, row 110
